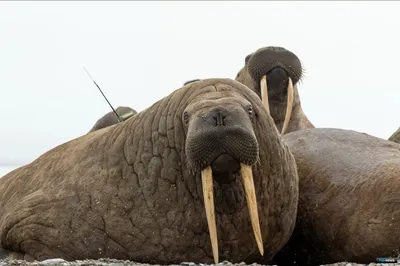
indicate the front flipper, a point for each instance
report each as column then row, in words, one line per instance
column 5, row 254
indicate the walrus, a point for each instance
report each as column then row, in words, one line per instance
column 183, row 180
column 111, row 118
column 349, row 201
column 273, row 72
column 395, row 137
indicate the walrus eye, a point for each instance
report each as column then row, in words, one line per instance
column 250, row 110
column 186, row 117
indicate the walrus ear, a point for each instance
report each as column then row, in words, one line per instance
column 190, row 81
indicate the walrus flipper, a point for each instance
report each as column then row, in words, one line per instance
column 5, row 254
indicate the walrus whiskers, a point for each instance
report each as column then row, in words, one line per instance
column 208, row 195
column 289, row 105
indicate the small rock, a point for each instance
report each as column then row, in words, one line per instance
column 188, row 264
column 52, row 261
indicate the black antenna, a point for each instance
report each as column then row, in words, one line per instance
column 119, row 120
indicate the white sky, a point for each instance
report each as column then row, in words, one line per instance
column 139, row 52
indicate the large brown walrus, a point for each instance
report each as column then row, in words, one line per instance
column 111, row 118
column 273, row 73
column 200, row 175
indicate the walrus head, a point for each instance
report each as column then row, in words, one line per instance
column 221, row 144
column 272, row 72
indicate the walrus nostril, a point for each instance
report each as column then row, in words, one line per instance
column 219, row 118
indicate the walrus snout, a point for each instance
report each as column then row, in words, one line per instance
column 222, row 130
column 266, row 59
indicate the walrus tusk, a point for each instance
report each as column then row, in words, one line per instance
column 248, row 183
column 289, row 106
column 208, row 194
column 264, row 92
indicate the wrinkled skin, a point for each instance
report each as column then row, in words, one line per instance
column 349, row 201
column 127, row 191
column 395, row 136
column 278, row 64
column 110, row 118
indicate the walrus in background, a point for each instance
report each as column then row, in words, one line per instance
column 349, row 201
column 348, row 208
column 111, row 118
column 395, row 137
column 158, row 187
column 273, row 73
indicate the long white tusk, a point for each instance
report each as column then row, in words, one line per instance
column 289, row 106
column 248, row 183
column 208, row 194
column 264, row 92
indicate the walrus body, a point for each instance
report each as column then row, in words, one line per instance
column 111, row 118
column 395, row 137
column 134, row 191
column 349, row 200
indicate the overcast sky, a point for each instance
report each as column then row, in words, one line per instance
column 139, row 52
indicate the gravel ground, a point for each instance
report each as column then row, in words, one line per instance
column 111, row 262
